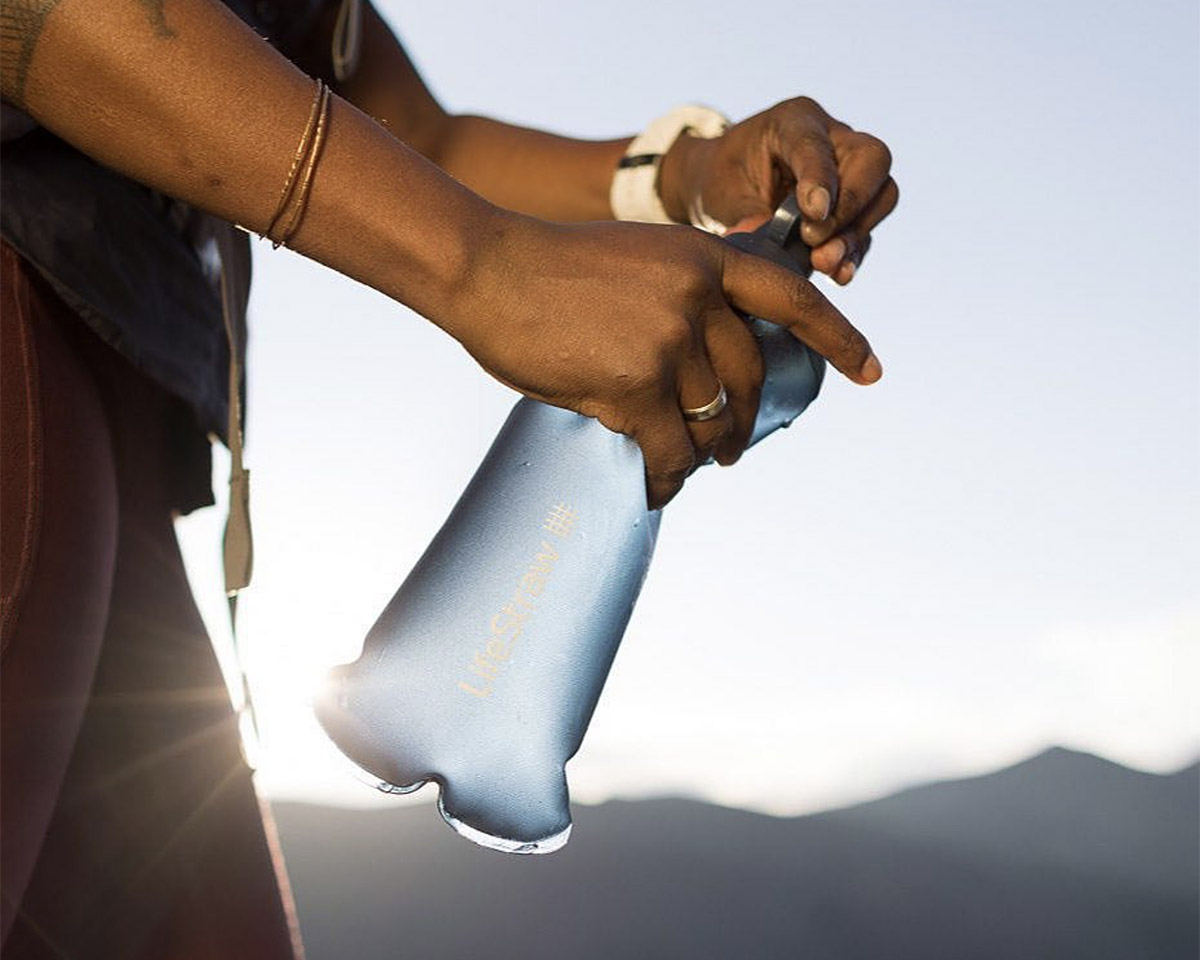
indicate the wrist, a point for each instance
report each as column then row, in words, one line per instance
column 475, row 295
column 680, row 175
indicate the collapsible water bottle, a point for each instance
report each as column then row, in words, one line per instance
column 483, row 671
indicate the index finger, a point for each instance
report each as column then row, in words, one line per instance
column 756, row 286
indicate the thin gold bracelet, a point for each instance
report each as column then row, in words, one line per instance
column 304, row 188
column 306, row 155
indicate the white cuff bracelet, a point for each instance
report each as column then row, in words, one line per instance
column 634, row 191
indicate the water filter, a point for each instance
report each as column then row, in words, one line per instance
column 482, row 672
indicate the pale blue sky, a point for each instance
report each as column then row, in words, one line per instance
column 992, row 550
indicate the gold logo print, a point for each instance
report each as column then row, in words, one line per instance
column 506, row 626
column 560, row 521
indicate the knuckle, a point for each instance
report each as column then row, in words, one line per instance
column 879, row 151
column 594, row 409
column 697, row 289
column 694, row 273
column 673, row 337
column 676, row 466
column 605, row 414
column 807, row 104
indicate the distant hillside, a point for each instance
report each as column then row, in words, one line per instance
column 1063, row 856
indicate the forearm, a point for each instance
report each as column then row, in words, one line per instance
column 544, row 175
column 186, row 99
column 537, row 173
column 627, row 323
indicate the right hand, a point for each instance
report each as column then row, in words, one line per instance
column 841, row 178
column 629, row 323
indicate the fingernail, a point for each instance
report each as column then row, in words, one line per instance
column 836, row 250
column 818, row 202
column 848, row 271
column 871, row 369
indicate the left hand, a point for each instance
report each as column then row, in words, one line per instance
column 842, row 179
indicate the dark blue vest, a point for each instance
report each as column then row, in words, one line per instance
column 125, row 257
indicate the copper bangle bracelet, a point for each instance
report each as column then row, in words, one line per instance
column 294, row 196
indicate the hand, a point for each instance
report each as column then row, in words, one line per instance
column 841, row 177
column 629, row 323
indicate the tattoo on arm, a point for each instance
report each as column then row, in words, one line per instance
column 21, row 23
column 154, row 8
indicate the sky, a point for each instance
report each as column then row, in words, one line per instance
column 993, row 550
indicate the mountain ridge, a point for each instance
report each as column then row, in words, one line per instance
column 1061, row 855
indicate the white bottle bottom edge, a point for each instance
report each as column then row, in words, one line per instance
column 544, row 845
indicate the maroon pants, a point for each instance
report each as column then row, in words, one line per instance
column 130, row 825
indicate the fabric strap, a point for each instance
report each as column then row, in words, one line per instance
column 238, row 544
column 347, row 40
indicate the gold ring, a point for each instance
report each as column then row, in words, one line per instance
column 712, row 409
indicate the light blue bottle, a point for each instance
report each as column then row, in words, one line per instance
column 483, row 671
